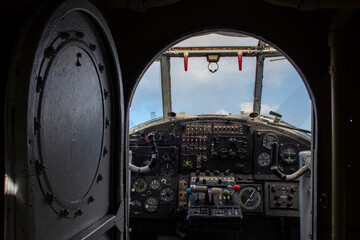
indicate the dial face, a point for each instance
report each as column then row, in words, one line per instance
column 250, row 198
column 187, row 163
column 136, row 204
column 151, row 204
column 140, row 185
column 264, row 159
column 154, row 184
column 289, row 154
column 167, row 169
column 167, row 194
column 268, row 140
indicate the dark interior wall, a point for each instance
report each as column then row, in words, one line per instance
column 301, row 35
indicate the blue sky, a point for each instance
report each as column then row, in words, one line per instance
column 228, row 90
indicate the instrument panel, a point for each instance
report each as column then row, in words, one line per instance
column 206, row 152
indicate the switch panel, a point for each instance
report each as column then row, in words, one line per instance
column 282, row 198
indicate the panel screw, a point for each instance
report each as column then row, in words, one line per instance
column 92, row 47
column 107, row 122
column 91, row 199
column 100, row 178
column 79, row 212
column 105, row 151
column 64, row 212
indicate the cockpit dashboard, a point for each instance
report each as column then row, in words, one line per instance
column 215, row 153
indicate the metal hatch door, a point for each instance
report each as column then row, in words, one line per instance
column 64, row 142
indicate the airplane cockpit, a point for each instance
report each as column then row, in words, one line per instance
column 230, row 155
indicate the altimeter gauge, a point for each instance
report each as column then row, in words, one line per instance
column 140, row 185
column 151, row 204
column 167, row 194
column 154, row 184
column 269, row 139
column 250, row 198
column 264, row 159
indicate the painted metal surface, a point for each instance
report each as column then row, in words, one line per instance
column 70, row 173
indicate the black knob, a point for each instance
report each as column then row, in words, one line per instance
column 197, row 173
column 207, row 173
column 219, row 181
column 273, row 189
column 293, row 189
column 204, row 181
column 290, row 197
column 227, row 172
column 216, row 172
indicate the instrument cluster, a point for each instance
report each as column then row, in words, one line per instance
column 206, row 152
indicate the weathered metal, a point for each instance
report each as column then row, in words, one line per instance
column 66, row 152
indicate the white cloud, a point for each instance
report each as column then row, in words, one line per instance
column 265, row 108
column 246, row 107
column 222, row 112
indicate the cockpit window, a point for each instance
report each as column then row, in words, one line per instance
column 147, row 101
column 230, row 90
column 198, row 91
column 284, row 92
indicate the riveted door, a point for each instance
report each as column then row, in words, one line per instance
column 65, row 112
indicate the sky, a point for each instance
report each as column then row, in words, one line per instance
column 198, row 91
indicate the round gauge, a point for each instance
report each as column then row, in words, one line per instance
column 154, row 184
column 167, row 194
column 187, row 163
column 289, row 154
column 140, row 185
column 151, row 204
column 167, row 169
column 165, row 157
column 250, row 198
column 264, row 159
column 136, row 204
column 268, row 140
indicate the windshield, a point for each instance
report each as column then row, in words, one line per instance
column 228, row 91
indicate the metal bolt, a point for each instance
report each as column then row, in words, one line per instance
column 91, row 199
column 92, row 47
column 100, row 178
column 64, row 212
column 101, row 68
column 105, row 151
column 50, row 197
column 79, row 212
column 39, row 167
